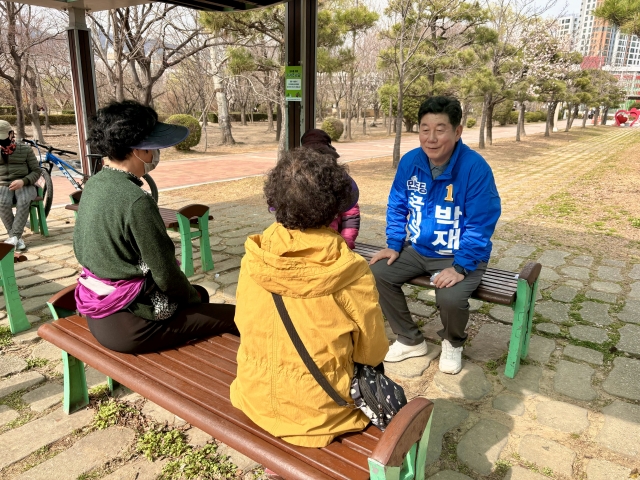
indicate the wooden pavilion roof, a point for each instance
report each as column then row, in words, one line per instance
column 208, row 5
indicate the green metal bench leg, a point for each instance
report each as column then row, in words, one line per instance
column 42, row 220
column 112, row 384
column 15, row 311
column 413, row 466
column 33, row 219
column 521, row 330
column 532, row 307
column 205, row 246
column 186, row 249
column 76, row 394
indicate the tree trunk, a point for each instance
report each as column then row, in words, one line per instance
column 278, row 122
column 552, row 122
column 465, row 114
column 550, row 112
column 31, row 81
column 17, row 96
column 520, row 121
column 595, row 116
column 270, row 117
column 585, row 116
column 282, row 143
column 483, row 123
column 398, row 125
column 364, row 123
column 390, row 116
column 224, row 122
column 243, row 114
column 604, row 115
column 490, row 108
column 576, row 108
column 569, row 117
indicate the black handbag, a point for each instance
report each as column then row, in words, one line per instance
column 376, row 395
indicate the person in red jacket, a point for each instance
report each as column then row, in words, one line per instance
column 347, row 223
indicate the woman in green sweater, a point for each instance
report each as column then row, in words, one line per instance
column 132, row 291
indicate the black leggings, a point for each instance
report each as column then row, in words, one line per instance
column 127, row 333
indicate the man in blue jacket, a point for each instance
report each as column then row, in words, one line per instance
column 443, row 208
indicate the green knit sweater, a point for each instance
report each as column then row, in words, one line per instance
column 22, row 164
column 118, row 226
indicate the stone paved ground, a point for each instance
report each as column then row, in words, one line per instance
column 572, row 412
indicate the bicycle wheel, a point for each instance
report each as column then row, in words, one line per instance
column 152, row 186
column 47, row 192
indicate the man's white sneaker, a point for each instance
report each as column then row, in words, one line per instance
column 450, row 358
column 398, row 352
column 12, row 241
column 20, row 245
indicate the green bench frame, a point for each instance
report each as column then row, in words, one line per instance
column 18, row 321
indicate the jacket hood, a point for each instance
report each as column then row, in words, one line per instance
column 301, row 264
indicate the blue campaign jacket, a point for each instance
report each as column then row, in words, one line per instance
column 452, row 216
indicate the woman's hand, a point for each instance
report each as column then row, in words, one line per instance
column 16, row 185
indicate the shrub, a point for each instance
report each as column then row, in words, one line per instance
column 7, row 110
column 68, row 112
column 195, row 130
column 513, row 117
column 539, row 116
column 53, row 119
column 333, row 127
column 471, row 122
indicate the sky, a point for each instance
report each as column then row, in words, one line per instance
column 568, row 6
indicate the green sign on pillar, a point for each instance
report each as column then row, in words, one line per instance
column 293, row 84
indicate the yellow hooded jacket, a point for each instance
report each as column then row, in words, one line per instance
column 330, row 295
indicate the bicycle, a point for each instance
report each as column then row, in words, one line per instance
column 52, row 160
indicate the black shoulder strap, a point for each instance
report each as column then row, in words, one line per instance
column 304, row 355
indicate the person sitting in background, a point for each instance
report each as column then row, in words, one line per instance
column 330, row 294
column 346, row 223
column 131, row 289
column 19, row 171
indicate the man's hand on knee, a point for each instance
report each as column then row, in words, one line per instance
column 448, row 278
column 389, row 253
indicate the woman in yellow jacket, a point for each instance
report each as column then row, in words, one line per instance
column 331, row 297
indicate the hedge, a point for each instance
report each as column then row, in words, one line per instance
column 532, row 117
column 53, row 119
column 195, row 130
column 235, row 117
column 7, row 110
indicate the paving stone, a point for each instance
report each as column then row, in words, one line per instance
column 491, row 341
column 598, row 469
column 428, row 296
column 631, row 312
column 552, row 258
column 240, row 460
column 635, row 290
column 624, row 381
column 446, row 416
column 520, row 250
column 235, row 241
column 574, row 283
column 20, row 382
column 10, row 364
column 195, row 278
column 408, row 290
column 197, row 437
column 602, row 296
column 519, row 473
column 35, row 304
column 629, row 339
column 44, row 397
column 47, row 350
column 551, row 328
column 526, row 381
column 584, row 354
column 28, row 264
column 229, row 293
column 61, row 250
column 511, row 264
column 413, row 367
column 47, row 288
column 564, row 294
column 94, row 377
column 549, row 275
column 613, row 262
column 229, row 264
column 86, row 454
column 141, row 469
column 475, row 305
column 562, row 416
column 481, row 446
column 589, row 334
column 209, row 286
column 449, row 475
column 40, row 432
column 47, row 267
column 547, row 453
column 611, row 274
column 161, row 415
column 26, row 337
column 46, row 276
column 509, row 404
column 635, row 272
column 607, row 287
column 229, row 278
column 540, row 349
column 502, row 313
column 420, row 309
column 7, row 415
column 574, row 380
column 596, row 313
column 431, row 329
column 470, row 383
column 239, row 250
column 621, row 430
column 554, row 311
column 583, row 261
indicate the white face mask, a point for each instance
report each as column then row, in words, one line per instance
column 155, row 160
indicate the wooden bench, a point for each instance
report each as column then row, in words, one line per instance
column 190, row 222
column 517, row 290
column 193, row 382
column 15, row 311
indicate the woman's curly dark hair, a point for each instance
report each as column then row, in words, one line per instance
column 307, row 189
column 118, row 126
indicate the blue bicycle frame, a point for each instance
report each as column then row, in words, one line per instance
column 61, row 164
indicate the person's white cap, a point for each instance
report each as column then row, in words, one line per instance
column 5, row 128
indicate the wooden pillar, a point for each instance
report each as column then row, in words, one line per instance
column 301, row 42
column 85, row 97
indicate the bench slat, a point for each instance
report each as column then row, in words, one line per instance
column 140, row 372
